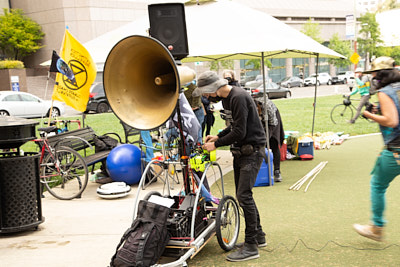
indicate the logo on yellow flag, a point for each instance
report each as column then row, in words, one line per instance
column 75, row 92
column 355, row 58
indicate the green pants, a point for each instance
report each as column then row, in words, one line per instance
column 385, row 170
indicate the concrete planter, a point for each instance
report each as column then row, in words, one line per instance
column 13, row 79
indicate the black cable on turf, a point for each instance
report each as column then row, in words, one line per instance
column 324, row 246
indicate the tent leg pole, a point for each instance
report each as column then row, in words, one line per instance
column 266, row 122
column 315, row 96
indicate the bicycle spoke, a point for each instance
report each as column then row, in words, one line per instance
column 67, row 176
column 227, row 223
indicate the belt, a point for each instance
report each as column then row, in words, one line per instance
column 245, row 150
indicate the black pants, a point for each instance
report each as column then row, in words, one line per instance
column 245, row 173
column 208, row 122
column 276, row 152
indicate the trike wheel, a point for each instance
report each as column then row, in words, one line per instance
column 227, row 223
column 64, row 173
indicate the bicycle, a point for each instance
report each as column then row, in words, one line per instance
column 63, row 171
column 165, row 167
column 344, row 112
column 63, row 125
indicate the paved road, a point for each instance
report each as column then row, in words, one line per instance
column 323, row 90
column 297, row 92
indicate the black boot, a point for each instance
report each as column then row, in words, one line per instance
column 277, row 176
column 247, row 252
column 261, row 242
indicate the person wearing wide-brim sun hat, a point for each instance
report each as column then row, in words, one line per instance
column 387, row 166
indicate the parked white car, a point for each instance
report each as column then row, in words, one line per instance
column 344, row 77
column 323, row 78
column 351, row 82
column 25, row 105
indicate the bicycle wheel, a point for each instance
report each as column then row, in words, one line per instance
column 341, row 114
column 214, row 179
column 227, row 223
column 64, row 173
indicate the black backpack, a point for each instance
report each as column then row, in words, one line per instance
column 144, row 242
column 104, row 142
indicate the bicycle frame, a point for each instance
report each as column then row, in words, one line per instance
column 46, row 147
column 50, row 150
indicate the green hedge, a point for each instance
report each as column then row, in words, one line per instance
column 11, row 64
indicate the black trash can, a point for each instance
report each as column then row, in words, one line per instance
column 20, row 194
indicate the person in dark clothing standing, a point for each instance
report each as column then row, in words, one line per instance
column 229, row 75
column 247, row 139
column 276, row 133
column 197, row 107
column 209, row 118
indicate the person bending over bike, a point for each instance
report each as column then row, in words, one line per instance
column 247, row 139
column 362, row 87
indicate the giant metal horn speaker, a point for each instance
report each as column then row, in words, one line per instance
column 142, row 81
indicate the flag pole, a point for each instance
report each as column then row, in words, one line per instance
column 48, row 77
column 45, row 93
column 45, row 97
column 47, row 84
column 50, row 112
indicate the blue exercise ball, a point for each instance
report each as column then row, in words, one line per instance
column 123, row 164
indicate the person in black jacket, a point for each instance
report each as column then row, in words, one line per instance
column 246, row 137
column 209, row 118
column 229, row 75
column 276, row 133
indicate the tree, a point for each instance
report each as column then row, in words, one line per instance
column 256, row 63
column 225, row 64
column 341, row 47
column 369, row 36
column 313, row 30
column 393, row 52
column 387, row 5
column 19, row 35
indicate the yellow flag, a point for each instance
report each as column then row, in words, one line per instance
column 75, row 92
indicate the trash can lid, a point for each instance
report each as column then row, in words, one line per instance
column 14, row 131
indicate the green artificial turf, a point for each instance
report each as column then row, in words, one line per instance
column 314, row 228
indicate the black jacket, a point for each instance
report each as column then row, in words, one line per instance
column 246, row 127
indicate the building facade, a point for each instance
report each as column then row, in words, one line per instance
column 85, row 19
column 88, row 19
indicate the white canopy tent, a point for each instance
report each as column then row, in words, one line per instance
column 226, row 30
column 223, row 30
column 389, row 32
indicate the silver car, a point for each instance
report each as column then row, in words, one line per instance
column 25, row 105
column 273, row 91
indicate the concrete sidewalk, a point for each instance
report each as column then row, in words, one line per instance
column 80, row 232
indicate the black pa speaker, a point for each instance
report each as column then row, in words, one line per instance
column 168, row 25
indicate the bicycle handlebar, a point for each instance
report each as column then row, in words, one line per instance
column 66, row 122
